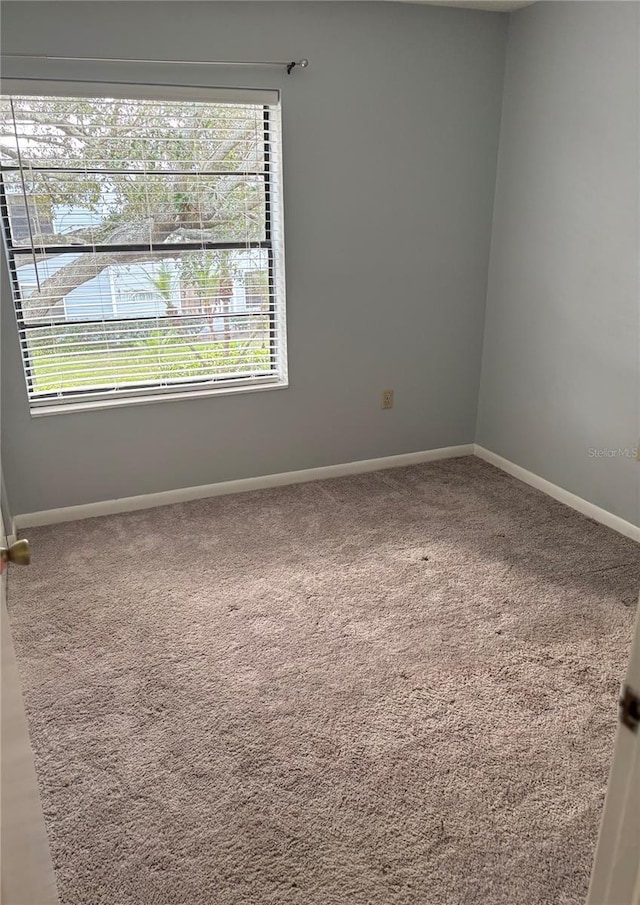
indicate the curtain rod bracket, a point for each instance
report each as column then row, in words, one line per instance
column 301, row 63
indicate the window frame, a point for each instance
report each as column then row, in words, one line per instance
column 273, row 243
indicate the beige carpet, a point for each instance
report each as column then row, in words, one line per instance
column 391, row 689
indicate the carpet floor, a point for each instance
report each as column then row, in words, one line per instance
column 390, row 689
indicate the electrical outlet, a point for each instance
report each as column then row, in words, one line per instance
column 387, row 399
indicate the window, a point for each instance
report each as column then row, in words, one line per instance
column 144, row 243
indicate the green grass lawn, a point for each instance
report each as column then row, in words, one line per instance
column 145, row 361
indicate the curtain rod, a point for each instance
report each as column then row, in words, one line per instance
column 288, row 64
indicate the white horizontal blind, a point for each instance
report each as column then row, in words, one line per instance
column 144, row 240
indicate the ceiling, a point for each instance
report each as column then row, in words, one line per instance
column 504, row 6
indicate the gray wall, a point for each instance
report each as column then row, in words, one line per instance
column 560, row 371
column 390, row 144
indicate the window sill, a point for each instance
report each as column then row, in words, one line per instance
column 68, row 408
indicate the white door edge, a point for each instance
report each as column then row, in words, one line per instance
column 27, row 876
column 615, row 877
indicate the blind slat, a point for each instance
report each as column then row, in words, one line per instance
column 130, row 91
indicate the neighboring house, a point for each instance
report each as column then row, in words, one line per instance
column 38, row 222
column 130, row 290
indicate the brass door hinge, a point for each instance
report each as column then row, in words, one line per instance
column 630, row 709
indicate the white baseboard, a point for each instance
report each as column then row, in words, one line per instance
column 185, row 494
column 559, row 493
